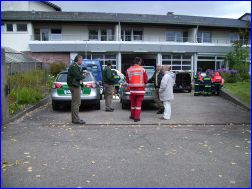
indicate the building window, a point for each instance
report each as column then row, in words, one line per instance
column 37, row 34
column 204, row 37
column 2, row 27
column 234, row 37
column 22, row 27
column 137, row 35
column 126, row 35
column 178, row 62
column 175, row 36
column 107, row 35
column 93, row 34
column 55, row 34
column 9, row 27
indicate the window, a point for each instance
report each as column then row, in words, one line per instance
column 176, row 36
column 234, row 37
column 37, row 34
column 93, row 34
column 21, row 27
column 106, row 35
column 55, row 31
column 137, row 35
column 177, row 61
column 204, row 37
column 9, row 27
column 2, row 27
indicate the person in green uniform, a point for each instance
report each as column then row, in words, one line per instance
column 75, row 81
column 108, row 83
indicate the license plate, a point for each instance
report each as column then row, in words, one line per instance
column 148, row 94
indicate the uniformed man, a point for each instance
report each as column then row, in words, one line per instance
column 108, row 83
column 156, row 79
column 136, row 78
column 74, row 81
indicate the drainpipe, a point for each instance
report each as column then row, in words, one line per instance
column 195, row 37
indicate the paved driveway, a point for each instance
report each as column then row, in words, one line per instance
column 43, row 149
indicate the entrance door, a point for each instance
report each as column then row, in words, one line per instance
column 44, row 33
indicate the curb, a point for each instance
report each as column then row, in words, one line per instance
column 29, row 109
column 228, row 96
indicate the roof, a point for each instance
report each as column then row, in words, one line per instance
column 57, row 8
column 246, row 14
column 13, row 56
column 122, row 17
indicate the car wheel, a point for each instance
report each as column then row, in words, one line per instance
column 98, row 106
column 124, row 105
column 55, row 105
column 189, row 91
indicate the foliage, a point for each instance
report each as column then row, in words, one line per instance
column 56, row 68
column 230, row 76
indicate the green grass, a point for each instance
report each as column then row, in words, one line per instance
column 241, row 90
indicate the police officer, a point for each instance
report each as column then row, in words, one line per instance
column 74, row 81
column 108, row 83
column 136, row 78
column 156, row 78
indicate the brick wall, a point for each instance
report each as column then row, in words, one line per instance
column 50, row 58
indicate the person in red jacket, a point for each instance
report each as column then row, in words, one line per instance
column 136, row 78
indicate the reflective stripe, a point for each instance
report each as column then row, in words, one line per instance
column 133, row 108
column 136, row 85
column 138, row 108
column 138, row 92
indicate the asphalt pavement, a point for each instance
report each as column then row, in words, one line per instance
column 205, row 144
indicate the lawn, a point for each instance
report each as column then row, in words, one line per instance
column 241, row 90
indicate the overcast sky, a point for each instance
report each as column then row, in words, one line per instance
column 225, row 9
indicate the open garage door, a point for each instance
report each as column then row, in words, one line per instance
column 127, row 60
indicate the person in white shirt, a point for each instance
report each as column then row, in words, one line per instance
column 166, row 91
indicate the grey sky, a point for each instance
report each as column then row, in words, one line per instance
column 225, row 9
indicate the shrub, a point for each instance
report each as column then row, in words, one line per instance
column 230, row 76
column 28, row 96
column 56, row 68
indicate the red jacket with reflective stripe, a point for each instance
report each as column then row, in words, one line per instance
column 136, row 78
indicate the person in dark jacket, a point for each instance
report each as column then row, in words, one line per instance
column 108, row 83
column 156, row 79
column 74, row 81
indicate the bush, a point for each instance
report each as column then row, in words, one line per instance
column 28, row 96
column 230, row 76
column 56, row 68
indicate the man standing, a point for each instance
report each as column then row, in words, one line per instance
column 156, row 78
column 136, row 78
column 74, row 81
column 166, row 91
column 108, row 83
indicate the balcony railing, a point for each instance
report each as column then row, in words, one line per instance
column 128, row 38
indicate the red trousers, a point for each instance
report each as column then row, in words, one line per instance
column 136, row 105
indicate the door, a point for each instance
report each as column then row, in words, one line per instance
column 44, row 33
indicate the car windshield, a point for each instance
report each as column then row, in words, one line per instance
column 63, row 77
column 150, row 73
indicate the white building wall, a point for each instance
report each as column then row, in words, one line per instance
column 17, row 40
column 154, row 34
column 25, row 6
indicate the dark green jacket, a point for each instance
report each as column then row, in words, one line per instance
column 159, row 79
column 107, row 76
column 74, row 75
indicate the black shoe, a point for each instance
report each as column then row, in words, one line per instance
column 112, row 109
column 136, row 120
column 131, row 117
column 109, row 110
column 159, row 112
column 80, row 122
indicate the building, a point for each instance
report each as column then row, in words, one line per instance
column 184, row 42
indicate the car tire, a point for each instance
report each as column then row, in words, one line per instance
column 97, row 106
column 189, row 91
column 125, row 105
column 55, row 106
